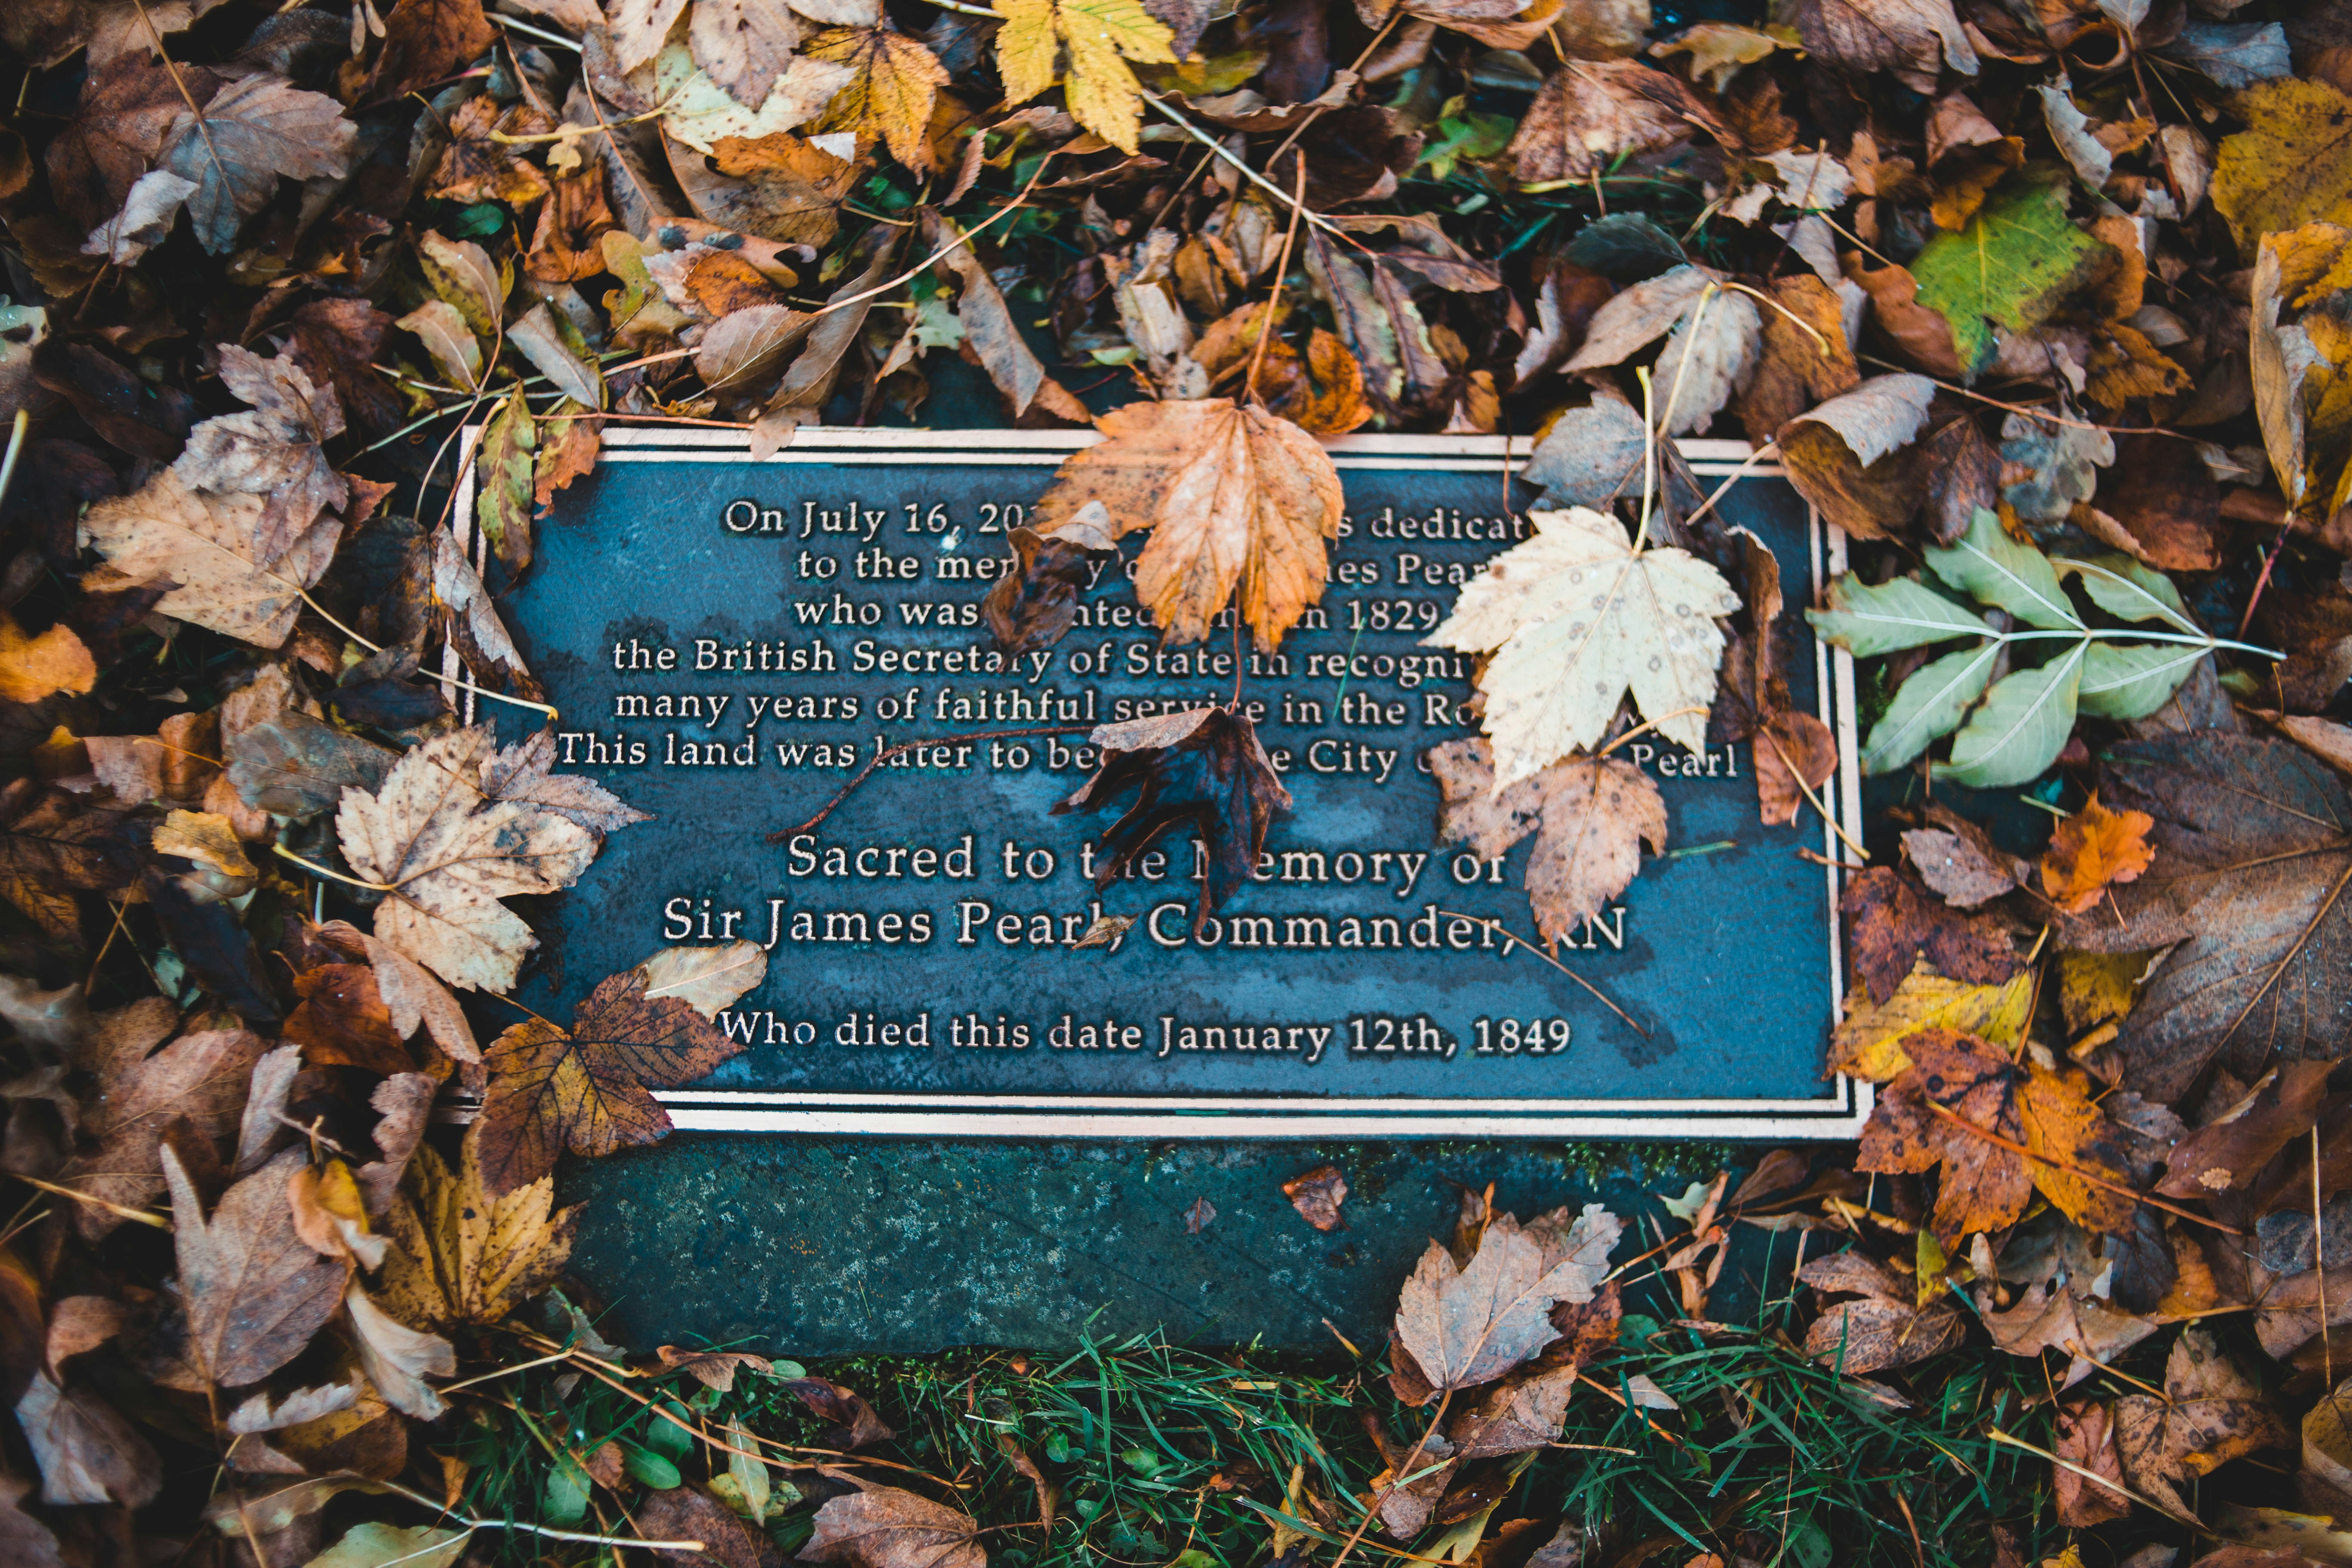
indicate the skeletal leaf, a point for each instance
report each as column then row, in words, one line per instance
column 1574, row 617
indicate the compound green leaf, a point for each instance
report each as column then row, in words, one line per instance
column 1866, row 619
column 1926, row 706
column 2021, row 727
column 1998, row 570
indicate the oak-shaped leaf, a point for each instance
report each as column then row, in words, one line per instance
column 1235, row 497
column 1203, row 768
column 1574, row 618
column 447, row 852
column 253, row 1291
column 583, row 1091
column 889, row 1527
column 211, row 548
column 1461, row 1327
column 1998, row 1130
column 1590, row 816
column 251, row 132
column 2253, row 839
column 462, row 1256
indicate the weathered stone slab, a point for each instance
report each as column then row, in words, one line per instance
column 728, row 641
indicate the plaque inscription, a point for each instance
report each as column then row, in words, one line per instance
column 729, row 642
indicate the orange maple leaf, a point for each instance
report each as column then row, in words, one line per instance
column 2092, row 850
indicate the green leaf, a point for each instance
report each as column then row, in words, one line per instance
column 650, row 1469
column 566, row 1500
column 2010, row 266
column 2132, row 592
column 2132, row 680
column 2021, row 727
column 375, row 1545
column 505, row 477
column 1998, row 570
column 1864, row 619
column 1927, row 705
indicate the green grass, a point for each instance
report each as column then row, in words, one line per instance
column 1168, row 1457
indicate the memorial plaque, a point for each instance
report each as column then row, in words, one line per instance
column 730, row 641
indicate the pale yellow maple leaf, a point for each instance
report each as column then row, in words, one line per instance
column 1097, row 37
column 461, row 1256
column 1575, row 617
column 448, row 852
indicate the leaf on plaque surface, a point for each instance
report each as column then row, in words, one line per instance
column 2010, row 266
column 209, row 547
column 705, row 978
column 1574, row 618
column 1590, row 818
column 1791, row 748
column 461, row 1256
column 585, row 1089
column 253, row 1293
column 1202, row 768
column 523, row 772
column 2092, row 850
column 250, row 133
column 887, row 1527
column 448, row 852
column 888, row 94
column 1086, row 44
column 1235, row 497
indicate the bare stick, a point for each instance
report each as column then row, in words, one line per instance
column 1536, row 948
column 841, row 795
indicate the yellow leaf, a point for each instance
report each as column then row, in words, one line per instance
column 460, row 1256
column 1870, row 1042
column 2071, row 1135
column 2097, row 988
column 889, row 98
column 2292, row 165
column 35, row 668
column 1097, row 37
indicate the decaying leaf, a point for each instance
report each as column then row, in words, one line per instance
column 210, row 549
column 1590, row 818
column 889, row 1527
column 1235, row 497
column 893, row 81
column 460, row 1256
column 585, row 1090
column 1464, row 1326
column 1317, row 1195
column 253, row 1291
column 235, row 149
column 1882, row 1326
column 1575, row 617
column 2091, row 851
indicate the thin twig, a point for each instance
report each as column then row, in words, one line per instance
column 315, row 869
column 544, row 1531
column 781, row 834
column 1273, row 309
column 1252, row 176
column 1812, row 799
column 16, row 433
column 118, row 1210
column 2077, row 1171
column 436, row 680
column 1536, row 948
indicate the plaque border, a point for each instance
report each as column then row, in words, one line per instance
column 1836, row 1116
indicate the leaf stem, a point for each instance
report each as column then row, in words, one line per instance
column 436, row 679
column 1252, row 176
column 118, row 1210
column 316, row 869
column 16, row 433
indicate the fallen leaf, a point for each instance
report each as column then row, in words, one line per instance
column 1591, row 114
column 1870, row 1042
column 993, row 335
column 87, row 1453
column 854, row 1423
column 1317, row 1195
column 1034, row 607
column 1463, row 1327
column 448, row 852
column 2212, row 1412
column 2302, row 368
column 202, row 1076
column 886, row 1527
column 274, row 451
column 1913, row 40
column 1792, row 748
column 2092, row 850
column 126, row 110
column 398, row 1358
column 461, row 1256
column 1590, row 818
column 505, row 477
column 1235, row 497
column 2254, row 837
column 2010, row 266
column 688, row 1512
column 1199, row 1216
column 1885, row 1326
column 585, row 1089
column 524, row 773
column 705, row 978
column 1574, row 617
column 374, row 1545
column 253, row 1293
column 1963, row 866
column 1086, row 44
column 714, row 1368
column 209, row 547
column 1855, row 457
column 746, row 45
column 426, row 40
column 249, row 135
column 38, row 666
column 792, row 188
column 2291, row 166
column 2228, row 1153
column 888, row 95
column 1202, row 768
column 2086, row 1440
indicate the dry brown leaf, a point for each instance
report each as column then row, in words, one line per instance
column 1590, row 114
column 461, row 1257
column 201, row 1076
column 249, row 135
column 886, row 1527
column 449, row 852
column 791, row 188
column 585, row 1090
column 2212, row 1412
column 990, row 332
column 745, row 45
column 397, row 1358
column 1790, row 748
column 426, row 40
column 1891, row 924
column 1884, row 1326
column 1317, row 1195
column 1590, row 818
column 254, row 1294
column 409, row 992
column 1915, row 39
column 1462, row 1327
column 209, row 547
column 2086, row 1441
column 1234, row 497
column 38, row 666
column 714, row 1368
column 87, row 1453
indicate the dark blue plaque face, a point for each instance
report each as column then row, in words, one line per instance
column 730, row 641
